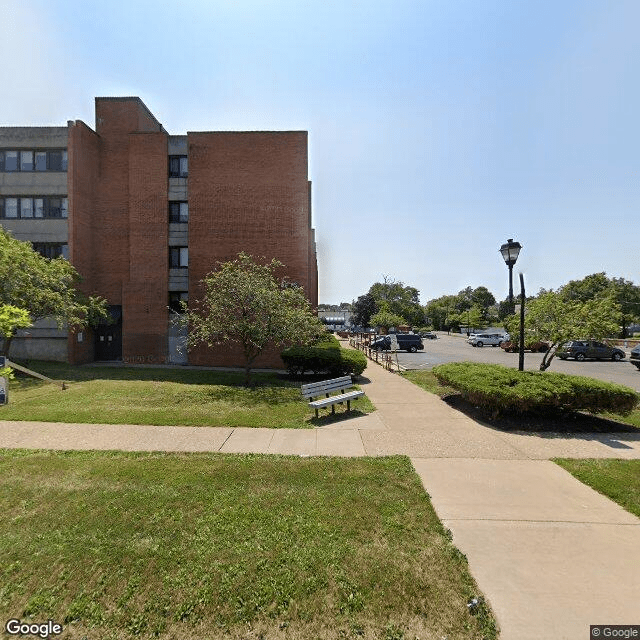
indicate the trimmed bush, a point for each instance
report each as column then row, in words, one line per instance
column 333, row 360
column 497, row 389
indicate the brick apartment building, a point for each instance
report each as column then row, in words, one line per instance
column 144, row 216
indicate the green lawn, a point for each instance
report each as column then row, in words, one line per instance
column 121, row 545
column 616, row 479
column 171, row 396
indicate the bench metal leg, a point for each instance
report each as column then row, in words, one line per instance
column 316, row 413
column 348, row 405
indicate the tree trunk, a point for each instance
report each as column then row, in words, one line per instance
column 6, row 346
column 548, row 357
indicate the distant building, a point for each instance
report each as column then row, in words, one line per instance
column 144, row 216
column 335, row 320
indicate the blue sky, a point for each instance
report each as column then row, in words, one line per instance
column 437, row 130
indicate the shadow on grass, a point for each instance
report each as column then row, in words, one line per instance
column 337, row 417
column 181, row 375
column 566, row 423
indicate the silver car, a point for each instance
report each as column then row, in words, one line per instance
column 493, row 339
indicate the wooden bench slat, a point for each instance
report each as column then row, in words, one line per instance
column 324, row 387
column 325, row 402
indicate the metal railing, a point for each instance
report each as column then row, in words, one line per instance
column 387, row 359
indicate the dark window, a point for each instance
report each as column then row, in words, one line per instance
column 178, row 212
column 178, row 167
column 56, row 161
column 30, row 160
column 178, row 257
column 41, row 160
column 10, row 160
column 52, row 250
column 42, row 207
column 176, row 298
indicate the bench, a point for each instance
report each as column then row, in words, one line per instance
column 324, row 388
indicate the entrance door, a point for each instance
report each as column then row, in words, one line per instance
column 109, row 336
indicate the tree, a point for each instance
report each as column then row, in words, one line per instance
column 43, row 288
column 399, row 299
column 246, row 303
column 552, row 318
column 385, row 318
column 363, row 308
column 625, row 293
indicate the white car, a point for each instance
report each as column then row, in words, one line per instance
column 493, row 339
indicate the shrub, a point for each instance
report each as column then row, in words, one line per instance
column 333, row 360
column 534, row 346
column 498, row 389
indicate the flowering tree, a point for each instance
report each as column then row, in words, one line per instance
column 246, row 303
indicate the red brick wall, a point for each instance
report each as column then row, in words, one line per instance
column 248, row 192
column 82, row 179
column 145, row 293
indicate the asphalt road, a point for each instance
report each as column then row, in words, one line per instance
column 454, row 348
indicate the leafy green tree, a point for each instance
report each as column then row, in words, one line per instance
column 440, row 310
column 552, row 318
column 482, row 298
column 399, row 299
column 363, row 308
column 245, row 302
column 385, row 318
column 11, row 319
column 43, row 288
column 625, row 293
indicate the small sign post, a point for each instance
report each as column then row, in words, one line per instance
column 4, row 390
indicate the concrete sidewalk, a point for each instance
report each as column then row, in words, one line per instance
column 551, row 555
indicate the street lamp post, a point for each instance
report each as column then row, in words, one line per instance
column 510, row 251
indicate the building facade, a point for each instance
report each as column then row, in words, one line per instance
column 144, row 216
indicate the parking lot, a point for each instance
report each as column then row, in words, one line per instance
column 454, row 348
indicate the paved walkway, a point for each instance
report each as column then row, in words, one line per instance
column 551, row 555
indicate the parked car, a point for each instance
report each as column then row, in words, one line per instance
column 428, row 334
column 634, row 358
column 583, row 349
column 406, row 341
column 493, row 339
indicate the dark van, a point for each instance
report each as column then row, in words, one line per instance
column 406, row 342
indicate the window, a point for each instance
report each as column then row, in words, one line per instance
column 11, row 207
column 51, row 250
column 57, row 161
column 41, row 160
column 39, row 207
column 26, row 161
column 26, row 207
column 178, row 257
column 176, row 298
column 178, row 167
column 30, row 160
column 10, row 161
column 178, row 212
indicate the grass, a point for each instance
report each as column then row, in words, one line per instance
column 616, row 479
column 603, row 422
column 121, row 545
column 171, row 396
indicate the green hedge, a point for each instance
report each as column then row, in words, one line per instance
column 498, row 389
column 331, row 359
